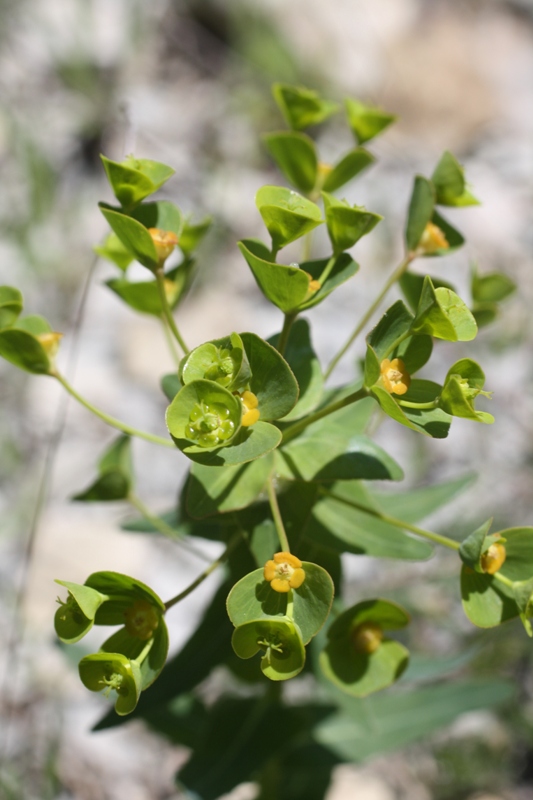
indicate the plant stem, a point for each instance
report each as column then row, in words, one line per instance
column 298, row 427
column 167, row 311
column 396, row 343
column 285, row 331
column 421, row 406
column 396, row 275
column 235, row 539
column 170, row 341
column 115, row 423
column 276, row 515
column 398, row 523
column 327, row 269
column 307, row 244
column 163, row 527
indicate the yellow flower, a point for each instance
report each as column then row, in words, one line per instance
column 164, row 242
column 433, row 239
column 50, row 342
column 493, row 559
column 284, row 572
column 141, row 620
column 367, row 637
column 394, row 376
column 250, row 412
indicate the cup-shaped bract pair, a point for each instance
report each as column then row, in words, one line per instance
column 258, row 606
column 464, row 382
column 302, row 107
column 286, row 214
column 115, row 474
column 134, row 179
column 359, row 658
column 220, row 426
column 488, row 291
column 347, row 224
column 427, row 233
column 28, row 342
column 132, row 657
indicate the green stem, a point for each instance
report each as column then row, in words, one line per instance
column 206, row 573
column 163, row 527
column 398, row 523
column 421, row 406
column 307, row 244
column 285, row 331
column 170, row 341
column 115, row 423
column 327, row 269
column 167, row 311
column 396, row 343
column 276, row 515
column 396, row 275
column 142, row 655
column 298, row 427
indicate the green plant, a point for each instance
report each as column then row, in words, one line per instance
column 281, row 472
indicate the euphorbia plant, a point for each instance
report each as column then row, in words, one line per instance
column 281, row 470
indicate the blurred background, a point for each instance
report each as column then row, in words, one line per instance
column 188, row 82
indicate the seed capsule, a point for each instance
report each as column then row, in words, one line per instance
column 367, row 637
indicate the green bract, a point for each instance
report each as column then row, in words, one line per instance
column 11, row 304
column 192, row 234
column 113, row 671
column 221, row 360
column 442, row 313
column 133, row 235
column 75, row 617
column 302, row 107
column 113, row 250
column 463, row 383
column 203, row 416
column 344, row 660
column 366, row 121
column 278, row 640
column 144, row 296
column 286, row 214
column 347, row 224
column 133, row 179
column 449, row 182
column 421, row 207
column 115, row 474
column 295, row 155
column 347, row 168
column 25, row 344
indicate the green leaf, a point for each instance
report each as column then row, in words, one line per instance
column 449, row 182
column 144, row 296
column 362, row 730
column 221, row 360
column 464, row 381
column 101, row 669
column 203, row 403
column 485, row 313
column 115, row 474
column 295, row 155
column 133, row 235
column 285, row 286
column 11, row 304
column 252, row 598
column 432, row 422
column 305, row 366
column 415, row 505
column 354, row 162
column 75, row 617
column 280, row 642
column 412, row 284
column 491, row 288
column 367, row 121
column 343, row 268
column 163, row 215
column 420, row 211
column 113, row 250
column 115, row 584
column 347, row 224
column 192, row 234
column 214, row 490
column 473, row 547
column 133, row 179
column 337, row 524
column 453, row 237
column 132, row 647
column 21, row 347
column 396, row 322
column 442, row 313
column 415, row 352
column 358, row 673
column 170, row 384
column 272, row 379
column 286, row 214
column 302, row 107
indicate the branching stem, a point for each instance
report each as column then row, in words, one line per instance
column 167, row 311
column 276, row 515
column 298, row 427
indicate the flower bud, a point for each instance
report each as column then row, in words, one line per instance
column 433, row 239
column 209, row 424
column 50, row 343
column 493, row 559
column 164, row 243
column 250, row 411
column 367, row 637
